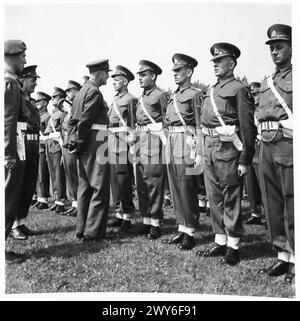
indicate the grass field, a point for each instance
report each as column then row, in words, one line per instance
column 57, row 262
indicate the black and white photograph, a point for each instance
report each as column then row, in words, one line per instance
column 148, row 150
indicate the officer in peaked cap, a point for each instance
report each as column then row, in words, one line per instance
column 98, row 65
column 73, row 85
column 54, row 152
column 224, row 49
column 42, row 99
column 15, row 117
column 87, row 126
column 279, row 32
column 69, row 159
column 229, row 135
column 252, row 177
column 150, row 169
column 28, row 78
column 146, row 65
column 275, row 121
column 183, row 119
column 42, row 96
column 122, row 122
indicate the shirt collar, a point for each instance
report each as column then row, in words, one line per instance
column 225, row 81
column 120, row 95
column 283, row 72
column 182, row 89
column 147, row 92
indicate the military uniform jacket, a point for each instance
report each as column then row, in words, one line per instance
column 14, row 111
column 64, row 129
column 126, row 104
column 89, row 108
column 269, row 107
column 189, row 100
column 155, row 101
column 34, row 119
column 236, row 107
column 44, row 117
column 57, row 118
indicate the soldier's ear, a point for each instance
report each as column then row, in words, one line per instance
column 190, row 72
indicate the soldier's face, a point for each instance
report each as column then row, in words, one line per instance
column 119, row 82
column 55, row 100
column 29, row 84
column 41, row 103
column 223, row 67
column 146, row 79
column 71, row 93
column 281, row 53
column 181, row 75
column 18, row 62
column 102, row 77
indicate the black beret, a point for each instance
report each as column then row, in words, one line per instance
column 14, row 47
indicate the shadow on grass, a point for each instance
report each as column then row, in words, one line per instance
column 69, row 249
column 60, row 229
column 256, row 250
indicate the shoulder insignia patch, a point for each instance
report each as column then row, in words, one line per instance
column 8, row 86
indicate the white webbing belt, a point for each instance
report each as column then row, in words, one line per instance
column 226, row 132
column 279, row 98
column 118, row 113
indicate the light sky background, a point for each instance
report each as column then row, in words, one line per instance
column 62, row 38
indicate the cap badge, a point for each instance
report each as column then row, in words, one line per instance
column 216, row 51
column 273, row 34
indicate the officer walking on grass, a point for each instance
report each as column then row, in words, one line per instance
column 121, row 125
column 89, row 127
column 275, row 123
column 15, row 123
column 229, row 134
column 183, row 120
column 43, row 180
column 19, row 230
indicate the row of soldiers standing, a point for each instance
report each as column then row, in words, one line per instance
column 181, row 136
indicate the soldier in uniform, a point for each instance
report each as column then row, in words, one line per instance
column 19, row 230
column 150, row 170
column 252, row 177
column 275, row 122
column 121, row 122
column 15, row 117
column 227, row 121
column 183, row 117
column 54, row 152
column 89, row 122
column 43, row 180
column 69, row 159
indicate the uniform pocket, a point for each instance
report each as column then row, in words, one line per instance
column 226, row 152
